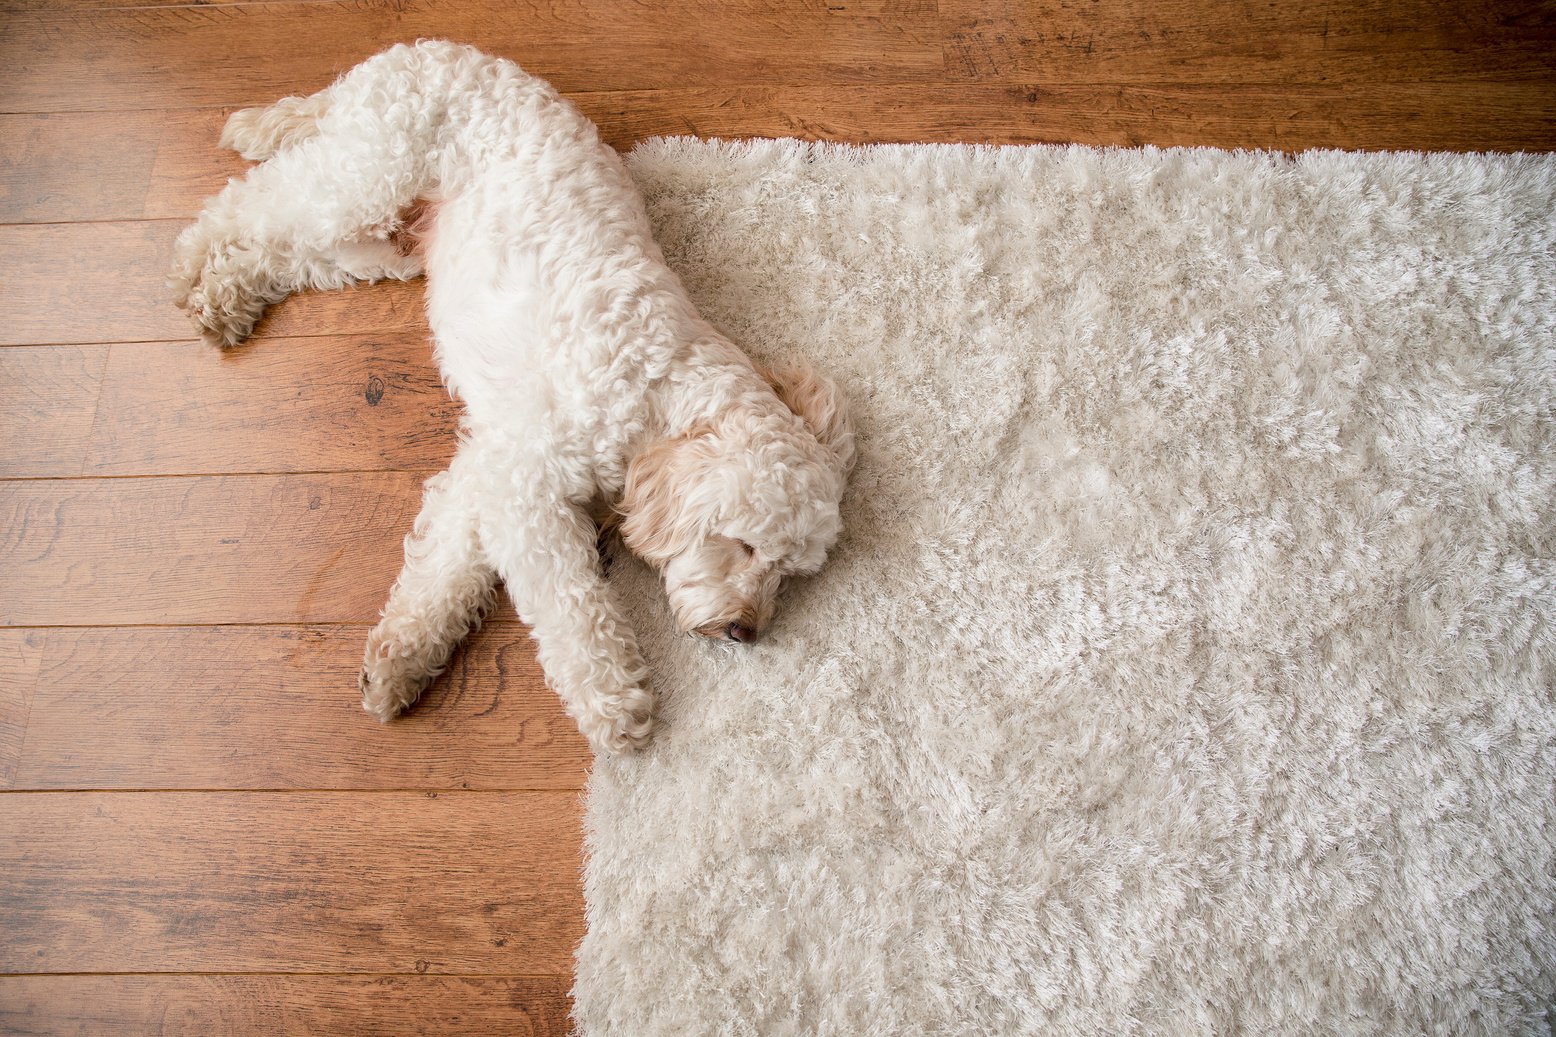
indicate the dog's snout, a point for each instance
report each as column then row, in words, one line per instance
column 743, row 634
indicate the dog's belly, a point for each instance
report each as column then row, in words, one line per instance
column 552, row 316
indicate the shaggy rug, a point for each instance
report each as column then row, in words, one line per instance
column 1187, row 664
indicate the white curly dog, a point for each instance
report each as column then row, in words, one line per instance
column 586, row 374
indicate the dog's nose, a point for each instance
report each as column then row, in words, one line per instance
column 743, row 634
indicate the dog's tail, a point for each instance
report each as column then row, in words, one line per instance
column 258, row 133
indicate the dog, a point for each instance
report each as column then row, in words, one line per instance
column 585, row 372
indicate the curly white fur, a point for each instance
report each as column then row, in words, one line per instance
column 586, row 373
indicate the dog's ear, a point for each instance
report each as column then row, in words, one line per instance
column 654, row 524
column 818, row 403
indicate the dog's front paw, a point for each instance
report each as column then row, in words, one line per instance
column 390, row 680
column 623, row 723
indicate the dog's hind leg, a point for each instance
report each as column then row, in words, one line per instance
column 258, row 133
column 317, row 213
column 440, row 597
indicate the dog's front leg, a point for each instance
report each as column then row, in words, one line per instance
column 545, row 550
column 441, row 595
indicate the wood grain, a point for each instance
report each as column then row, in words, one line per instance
column 44, row 171
column 187, row 166
column 348, row 402
column 106, row 282
column 21, row 654
column 190, row 165
column 1268, row 42
column 54, row 168
column 48, row 396
column 220, row 549
column 482, row 883
column 265, row 1006
column 81, row 60
column 278, row 708
column 1282, row 117
column 94, row 282
column 194, row 56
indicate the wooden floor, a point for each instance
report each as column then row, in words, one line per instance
column 202, row 833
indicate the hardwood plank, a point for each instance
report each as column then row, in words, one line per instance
column 483, row 883
column 91, row 5
column 221, row 549
column 1416, row 116
column 353, row 402
column 44, row 171
column 264, row 1006
column 48, row 396
column 177, row 57
column 106, row 282
column 55, row 168
column 21, row 654
column 1268, row 42
column 94, row 282
column 278, row 708
column 188, row 167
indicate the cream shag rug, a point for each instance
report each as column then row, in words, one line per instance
column 1187, row 664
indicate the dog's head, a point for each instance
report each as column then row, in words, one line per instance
column 729, row 509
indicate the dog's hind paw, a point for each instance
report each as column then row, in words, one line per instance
column 212, row 284
column 220, row 329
